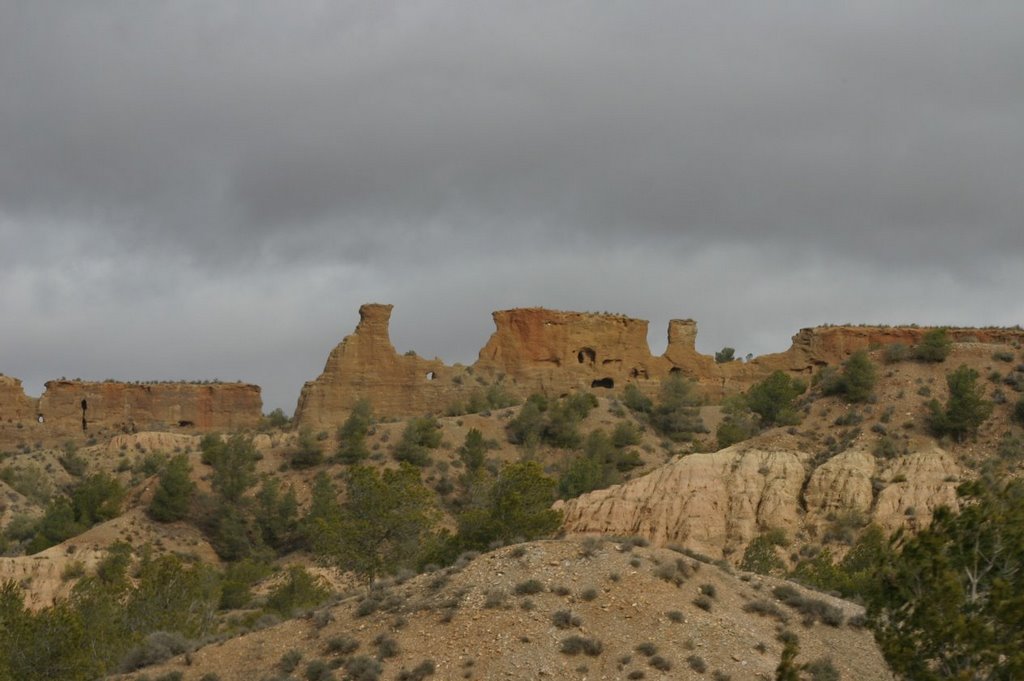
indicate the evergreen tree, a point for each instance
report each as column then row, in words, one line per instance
column 277, row 515
column 384, row 520
column 517, row 508
column 234, row 467
column 677, row 413
column 352, row 434
column 950, row 605
column 174, row 492
column 473, row 451
column 966, row 408
column 773, row 399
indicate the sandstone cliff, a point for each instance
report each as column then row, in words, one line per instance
column 15, row 406
column 129, row 407
column 75, row 408
column 366, row 364
column 554, row 352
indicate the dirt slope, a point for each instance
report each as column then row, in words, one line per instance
column 470, row 622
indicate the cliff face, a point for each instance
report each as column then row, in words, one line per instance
column 15, row 406
column 554, row 352
column 71, row 408
column 561, row 351
column 366, row 365
column 129, row 407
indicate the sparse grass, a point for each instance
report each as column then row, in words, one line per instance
column 703, row 602
column 675, row 616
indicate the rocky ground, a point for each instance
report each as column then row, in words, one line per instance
column 518, row 612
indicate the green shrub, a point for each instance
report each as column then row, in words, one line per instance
column 822, row 669
column 855, row 382
column 157, row 647
column 529, row 587
column 387, row 646
column 773, row 399
column 419, row 672
column 1018, row 411
column 760, row 557
column 289, row 661
column 363, row 668
column 636, row 400
column 318, row 670
column 342, row 645
column 564, row 619
column 420, row 435
column 352, row 433
column 935, row 346
column 574, row 645
column 725, row 355
column 895, row 352
column 309, row 451
column 299, row 590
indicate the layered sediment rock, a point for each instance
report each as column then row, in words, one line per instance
column 554, row 352
column 74, row 408
column 717, row 503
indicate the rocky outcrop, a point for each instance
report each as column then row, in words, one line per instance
column 15, row 405
column 366, row 365
column 555, row 352
column 717, row 503
column 128, row 407
column 76, row 408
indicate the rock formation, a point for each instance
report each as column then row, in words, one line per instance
column 717, row 503
column 15, row 405
column 553, row 352
column 75, row 408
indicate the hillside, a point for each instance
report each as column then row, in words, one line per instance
column 495, row 616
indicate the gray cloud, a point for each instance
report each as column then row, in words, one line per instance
column 212, row 188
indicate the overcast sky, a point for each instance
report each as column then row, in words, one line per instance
column 199, row 189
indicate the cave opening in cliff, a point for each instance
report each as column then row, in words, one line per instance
column 431, row 375
column 602, row 383
column 637, row 373
column 675, row 370
column 185, row 424
column 586, row 356
column 40, row 418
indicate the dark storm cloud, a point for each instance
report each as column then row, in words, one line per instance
column 755, row 165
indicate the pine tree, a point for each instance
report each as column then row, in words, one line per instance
column 174, row 492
